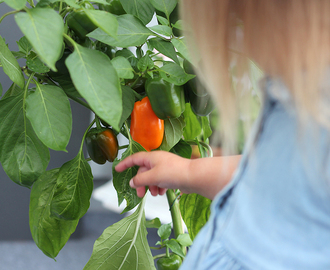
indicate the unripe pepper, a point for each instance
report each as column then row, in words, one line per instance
column 172, row 262
column 102, row 145
column 146, row 128
column 167, row 99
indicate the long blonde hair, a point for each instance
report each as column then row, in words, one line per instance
column 289, row 39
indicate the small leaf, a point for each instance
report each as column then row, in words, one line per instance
column 141, row 9
column 164, row 231
column 96, row 80
column 131, row 32
column 173, row 73
column 128, row 103
column 182, row 149
column 175, row 247
column 73, row 190
column 193, row 127
column 123, row 245
column 181, row 46
column 22, row 155
column 195, row 211
column 178, row 24
column 43, row 27
column 164, row 47
column 162, row 29
column 104, row 20
column 34, row 63
column 24, row 45
column 173, row 132
column 165, row 6
column 206, row 128
column 121, row 180
column 154, row 223
column 49, row 233
column 123, row 67
column 10, row 65
column 145, row 63
column 184, row 240
column 49, row 112
column 163, row 20
column 16, row 4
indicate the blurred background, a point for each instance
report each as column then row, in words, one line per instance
column 17, row 249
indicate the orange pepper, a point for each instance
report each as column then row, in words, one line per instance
column 146, row 128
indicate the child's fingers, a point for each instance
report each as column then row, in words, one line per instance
column 138, row 159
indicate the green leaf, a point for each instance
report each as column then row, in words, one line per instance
column 49, row 233
column 195, row 211
column 49, row 112
column 73, row 190
column 145, row 63
column 104, row 20
column 181, row 46
column 164, row 231
column 178, row 24
column 161, row 29
column 96, row 80
column 141, row 9
column 206, row 128
column 173, row 132
column 184, row 240
column 174, row 73
column 154, row 223
column 131, row 32
column 1, row 89
column 166, row 6
column 16, row 4
column 22, row 155
column 163, row 20
column 193, row 128
column 182, row 149
column 13, row 90
column 24, row 45
column 123, row 67
column 10, row 65
column 164, row 47
column 43, row 27
column 123, row 246
column 121, row 180
column 128, row 103
column 175, row 247
column 34, row 63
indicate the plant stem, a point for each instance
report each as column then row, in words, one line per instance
column 176, row 214
column 8, row 13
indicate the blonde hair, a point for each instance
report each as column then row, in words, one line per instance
column 288, row 39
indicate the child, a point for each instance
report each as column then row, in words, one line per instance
column 271, row 208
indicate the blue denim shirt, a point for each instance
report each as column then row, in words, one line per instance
column 275, row 213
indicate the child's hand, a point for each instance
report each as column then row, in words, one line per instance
column 159, row 170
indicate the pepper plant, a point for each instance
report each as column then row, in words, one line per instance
column 106, row 56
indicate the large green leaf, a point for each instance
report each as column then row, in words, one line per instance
column 23, row 156
column 96, row 80
column 193, row 127
column 175, row 74
column 13, row 90
column 164, row 47
column 141, row 9
column 166, row 6
column 182, row 149
column 128, row 103
column 16, row 4
column 104, row 20
column 121, row 180
column 49, row 233
column 49, row 112
column 123, row 246
column 74, row 188
column 43, row 27
column 10, row 65
column 123, row 67
column 195, row 211
column 181, row 46
column 173, row 132
column 131, row 32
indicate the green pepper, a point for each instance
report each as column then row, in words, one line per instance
column 172, row 262
column 167, row 99
column 195, row 93
column 102, row 145
column 80, row 23
column 114, row 7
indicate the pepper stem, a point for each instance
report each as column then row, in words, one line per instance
column 176, row 214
